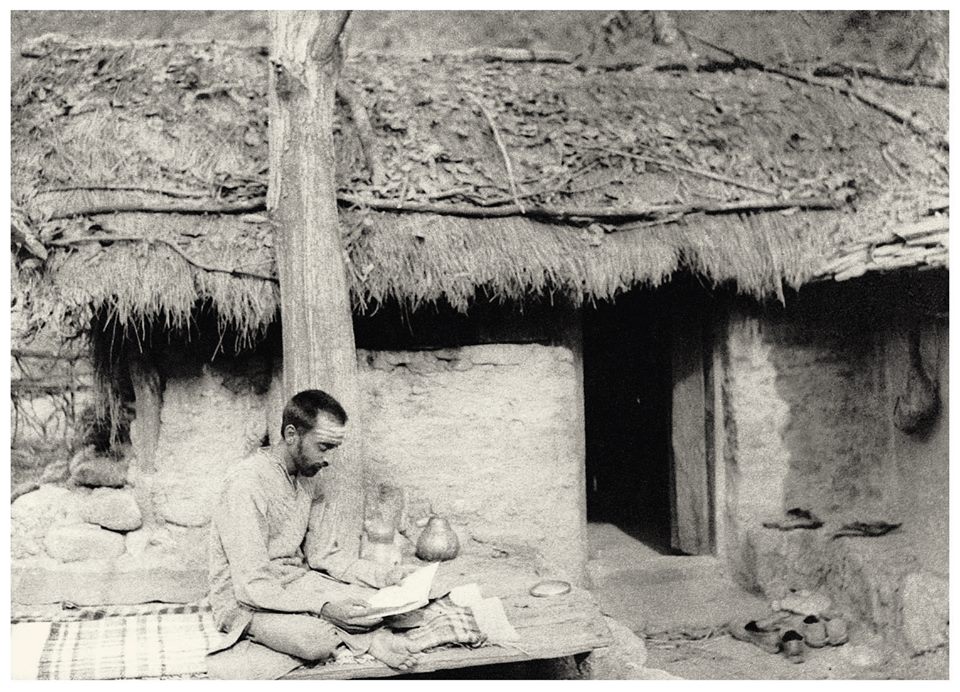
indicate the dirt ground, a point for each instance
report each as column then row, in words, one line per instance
column 670, row 600
column 864, row 657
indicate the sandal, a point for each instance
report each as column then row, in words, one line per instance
column 791, row 642
column 814, row 631
column 796, row 518
column 864, row 529
column 836, row 630
column 750, row 632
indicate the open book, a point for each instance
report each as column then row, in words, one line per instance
column 410, row 594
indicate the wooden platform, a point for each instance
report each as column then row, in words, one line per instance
column 548, row 627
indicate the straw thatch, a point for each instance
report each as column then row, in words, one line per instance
column 617, row 178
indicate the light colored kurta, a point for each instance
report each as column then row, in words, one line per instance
column 256, row 547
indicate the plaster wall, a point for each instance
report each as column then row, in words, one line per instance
column 808, row 405
column 492, row 437
column 921, row 473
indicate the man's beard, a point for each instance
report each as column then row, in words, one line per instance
column 303, row 468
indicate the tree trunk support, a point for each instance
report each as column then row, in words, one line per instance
column 319, row 351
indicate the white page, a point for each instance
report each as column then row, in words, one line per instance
column 414, row 589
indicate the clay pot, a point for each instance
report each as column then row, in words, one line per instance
column 438, row 541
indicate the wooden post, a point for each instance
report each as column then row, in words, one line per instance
column 318, row 342
column 145, row 428
column 690, row 473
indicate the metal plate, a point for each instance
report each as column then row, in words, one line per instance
column 550, row 587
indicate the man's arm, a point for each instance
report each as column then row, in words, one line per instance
column 325, row 555
column 241, row 522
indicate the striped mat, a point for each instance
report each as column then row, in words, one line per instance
column 133, row 643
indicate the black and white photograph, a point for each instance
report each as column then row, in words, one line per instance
column 541, row 344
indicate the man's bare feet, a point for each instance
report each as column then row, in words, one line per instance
column 393, row 650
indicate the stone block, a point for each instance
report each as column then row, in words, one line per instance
column 90, row 587
column 98, row 472
column 112, row 509
column 926, row 612
column 32, row 515
column 73, row 542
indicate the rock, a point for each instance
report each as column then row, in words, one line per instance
column 21, row 489
column 925, row 612
column 112, row 509
column 72, row 542
column 32, row 515
column 624, row 659
column 862, row 655
column 56, row 472
column 97, row 472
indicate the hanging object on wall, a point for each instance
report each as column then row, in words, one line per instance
column 917, row 407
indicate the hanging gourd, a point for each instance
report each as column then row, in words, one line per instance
column 917, row 407
column 438, row 541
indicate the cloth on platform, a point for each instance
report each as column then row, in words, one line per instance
column 446, row 623
column 159, row 642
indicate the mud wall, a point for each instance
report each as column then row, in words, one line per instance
column 808, row 396
column 488, row 435
column 492, row 437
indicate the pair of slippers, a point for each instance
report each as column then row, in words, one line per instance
column 791, row 635
column 799, row 518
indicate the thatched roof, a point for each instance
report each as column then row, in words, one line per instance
column 625, row 176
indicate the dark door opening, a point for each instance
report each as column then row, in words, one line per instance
column 627, row 406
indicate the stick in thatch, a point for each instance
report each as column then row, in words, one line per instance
column 246, row 206
column 503, row 152
column 475, row 212
column 168, row 192
column 368, row 140
column 916, row 124
column 599, row 213
column 21, row 234
column 843, row 70
column 689, row 169
column 240, row 273
column 664, row 28
column 497, row 54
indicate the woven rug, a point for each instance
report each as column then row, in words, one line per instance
column 136, row 643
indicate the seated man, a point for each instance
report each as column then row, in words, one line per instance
column 274, row 608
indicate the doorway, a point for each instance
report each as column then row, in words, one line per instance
column 628, row 385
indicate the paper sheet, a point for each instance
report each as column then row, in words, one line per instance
column 410, row 594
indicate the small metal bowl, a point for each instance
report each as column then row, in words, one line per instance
column 550, row 587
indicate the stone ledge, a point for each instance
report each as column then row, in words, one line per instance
column 101, row 586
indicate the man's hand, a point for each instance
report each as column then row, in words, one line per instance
column 396, row 574
column 349, row 614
